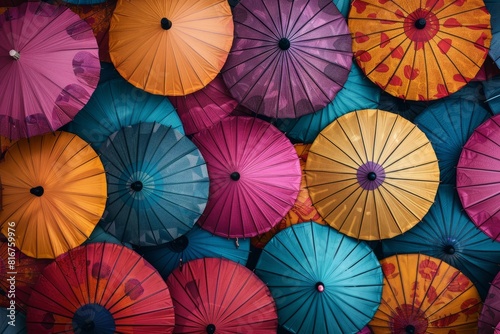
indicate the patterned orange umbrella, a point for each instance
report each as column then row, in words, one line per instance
column 420, row 50
column 302, row 210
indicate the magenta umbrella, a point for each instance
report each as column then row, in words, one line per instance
column 289, row 58
column 49, row 68
column 205, row 107
column 478, row 177
column 490, row 313
column 254, row 174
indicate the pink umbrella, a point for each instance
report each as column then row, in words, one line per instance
column 205, row 107
column 49, row 68
column 478, row 177
column 490, row 313
column 254, row 176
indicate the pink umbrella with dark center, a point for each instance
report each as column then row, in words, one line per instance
column 478, row 177
column 254, row 176
column 49, row 68
column 289, row 58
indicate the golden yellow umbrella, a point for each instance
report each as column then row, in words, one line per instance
column 54, row 193
column 423, row 294
column 173, row 47
column 372, row 174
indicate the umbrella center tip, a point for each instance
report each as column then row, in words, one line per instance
column 235, row 176
column 136, row 186
column 410, row 329
column 320, row 287
column 372, row 176
column 165, row 23
column 420, row 23
column 14, row 54
column 210, row 329
column 449, row 249
column 284, row 43
column 37, row 191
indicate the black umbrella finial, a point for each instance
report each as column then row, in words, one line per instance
column 410, row 329
column 235, row 176
column 420, row 23
column 37, row 191
column 165, row 23
column 372, row 176
column 88, row 326
column 210, row 329
column 136, row 186
column 284, row 43
column 449, row 249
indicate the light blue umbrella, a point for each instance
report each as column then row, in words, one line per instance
column 195, row 244
column 116, row 104
column 322, row 280
column 358, row 93
column 448, row 123
column 12, row 322
column 447, row 233
column 493, row 7
column 157, row 184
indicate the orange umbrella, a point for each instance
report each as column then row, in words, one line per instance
column 372, row 174
column 54, row 193
column 423, row 294
column 5, row 143
column 420, row 50
column 302, row 210
column 170, row 47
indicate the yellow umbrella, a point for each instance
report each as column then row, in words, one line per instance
column 372, row 174
column 54, row 193
column 423, row 294
column 173, row 47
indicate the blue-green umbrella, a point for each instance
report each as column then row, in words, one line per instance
column 405, row 108
column 447, row 233
column 492, row 92
column 116, row 104
column 195, row 244
column 100, row 235
column 84, row 2
column 108, row 72
column 358, row 93
column 322, row 280
column 157, row 184
column 13, row 322
column 493, row 7
column 448, row 123
column 343, row 6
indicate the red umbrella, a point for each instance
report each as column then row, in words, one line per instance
column 214, row 295
column 205, row 107
column 100, row 288
column 254, row 176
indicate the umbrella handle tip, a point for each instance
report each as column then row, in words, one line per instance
column 14, row 54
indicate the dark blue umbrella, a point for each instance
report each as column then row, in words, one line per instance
column 116, row 104
column 405, row 108
column 448, row 123
column 195, row 244
column 494, row 8
column 358, row 93
column 492, row 92
column 157, row 184
column 12, row 322
column 322, row 280
column 447, row 233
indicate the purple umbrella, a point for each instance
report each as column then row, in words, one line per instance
column 289, row 58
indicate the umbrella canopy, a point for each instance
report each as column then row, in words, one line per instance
column 100, row 288
column 116, row 104
column 204, row 108
column 170, row 48
column 405, row 108
column 7, row 326
column 26, row 269
column 492, row 93
column 157, row 184
column 494, row 10
column 5, row 143
column 97, row 13
column 478, row 177
column 448, row 124
column 195, row 244
column 100, row 235
column 420, row 50
column 289, row 58
column 54, row 192
column 302, row 210
column 254, row 176
column 214, row 295
column 49, row 68
column 423, row 294
column 358, row 93
column 490, row 313
column 322, row 280
column 372, row 174
column 448, row 234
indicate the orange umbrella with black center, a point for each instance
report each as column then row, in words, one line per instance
column 420, row 50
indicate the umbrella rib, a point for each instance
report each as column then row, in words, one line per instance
column 386, row 141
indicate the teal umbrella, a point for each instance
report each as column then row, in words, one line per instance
column 157, row 184
column 322, row 280
column 116, row 104
column 448, row 123
column 447, row 233
column 494, row 8
column 492, row 92
column 358, row 93
column 13, row 322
